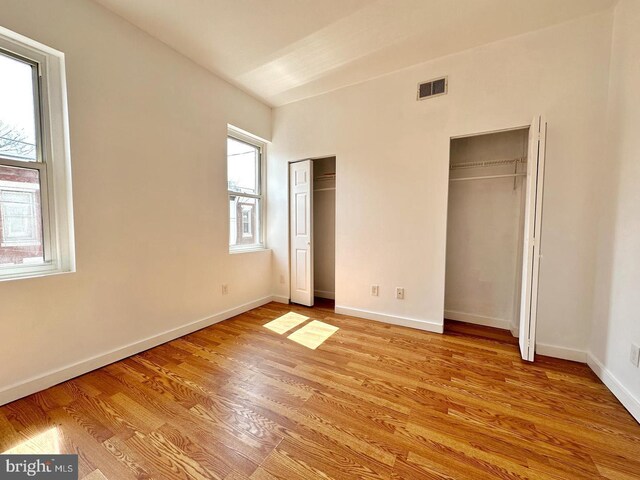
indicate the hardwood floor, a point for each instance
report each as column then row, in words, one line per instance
column 237, row 401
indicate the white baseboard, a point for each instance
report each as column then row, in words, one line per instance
column 627, row 399
column 325, row 294
column 382, row 317
column 280, row 299
column 515, row 330
column 477, row 319
column 53, row 377
column 561, row 352
column 541, row 348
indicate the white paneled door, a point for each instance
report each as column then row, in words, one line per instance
column 532, row 226
column 301, row 225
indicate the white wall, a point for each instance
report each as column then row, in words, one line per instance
column 148, row 130
column 324, row 229
column 616, row 320
column 485, row 228
column 392, row 169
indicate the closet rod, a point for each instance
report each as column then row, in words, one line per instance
column 323, row 189
column 488, row 176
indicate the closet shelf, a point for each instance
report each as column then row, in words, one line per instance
column 490, row 163
column 325, row 177
column 484, row 177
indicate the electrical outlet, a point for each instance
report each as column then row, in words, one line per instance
column 375, row 290
column 635, row 355
column 225, row 289
column 400, row 293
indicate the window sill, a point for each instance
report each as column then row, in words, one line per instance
column 37, row 272
column 234, row 251
column 19, row 245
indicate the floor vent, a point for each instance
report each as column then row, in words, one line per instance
column 433, row 88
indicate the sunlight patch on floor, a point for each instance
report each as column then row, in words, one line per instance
column 286, row 322
column 313, row 334
column 45, row 442
column 95, row 475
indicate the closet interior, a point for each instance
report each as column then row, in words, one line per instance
column 485, row 228
column 324, row 227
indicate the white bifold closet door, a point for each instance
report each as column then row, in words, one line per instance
column 301, row 226
column 532, row 226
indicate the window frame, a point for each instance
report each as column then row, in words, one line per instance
column 53, row 160
column 260, row 210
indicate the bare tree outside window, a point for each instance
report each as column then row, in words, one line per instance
column 14, row 142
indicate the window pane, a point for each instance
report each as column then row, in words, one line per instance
column 244, row 228
column 20, row 217
column 17, row 117
column 242, row 166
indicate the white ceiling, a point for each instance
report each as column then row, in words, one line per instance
column 285, row 50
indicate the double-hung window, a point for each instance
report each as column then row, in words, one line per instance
column 244, row 183
column 35, row 203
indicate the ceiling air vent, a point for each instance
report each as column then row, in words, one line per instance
column 432, row 88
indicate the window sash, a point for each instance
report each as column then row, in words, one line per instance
column 36, row 76
column 255, row 226
column 47, row 237
column 258, row 168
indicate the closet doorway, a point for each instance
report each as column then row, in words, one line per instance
column 493, row 230
column 312, row 217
